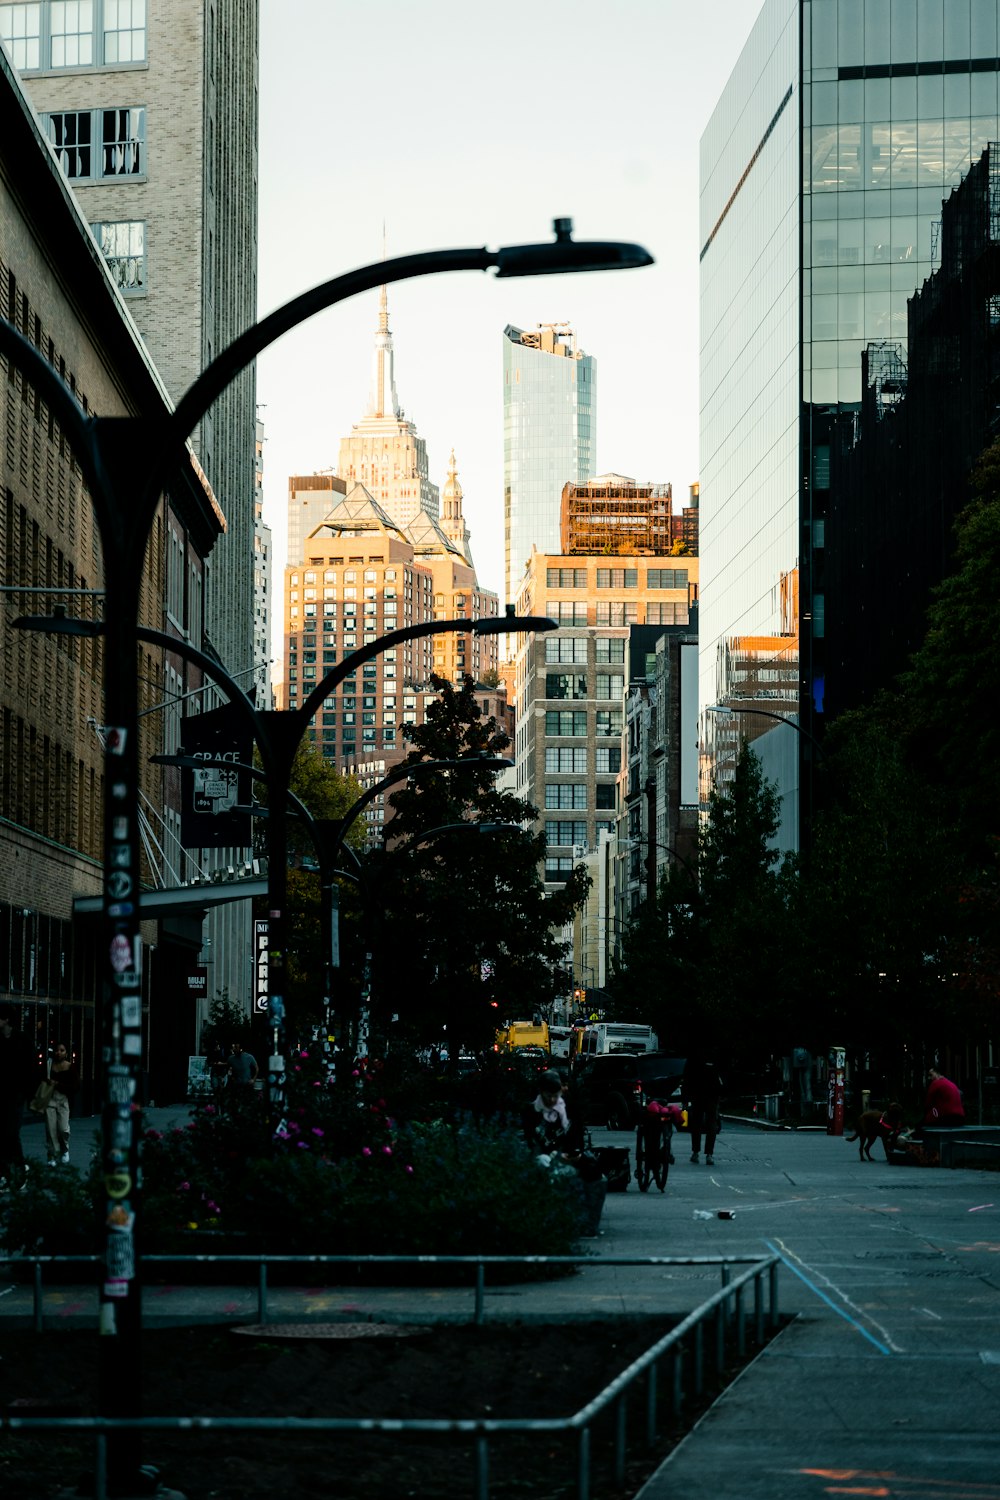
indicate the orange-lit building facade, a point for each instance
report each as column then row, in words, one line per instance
column 363, row 576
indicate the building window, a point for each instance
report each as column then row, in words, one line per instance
column 610, row 685
column 566, row 578
column 565, row 834
column 123, row 245
column 567, row 612
column 617, row 578
column 73, row 33
column 565, row 796
column 616, row 612
column 565, row 758
column 608, row 760
column 666, row 578
column 605, row 794
column 572, row 722
column 566, row 648
column 124, row 30
column 71, row 30
column 565, row 685
column 558, row 869
column 21, row 34
column 667, row 614
column 609, row 721
column 611, row 648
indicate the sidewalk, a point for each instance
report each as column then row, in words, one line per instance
column 888, row 1382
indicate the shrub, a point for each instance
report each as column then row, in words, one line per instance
column 457, row 1190
column 54, row 1214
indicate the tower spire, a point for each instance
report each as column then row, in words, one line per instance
column 382, row 398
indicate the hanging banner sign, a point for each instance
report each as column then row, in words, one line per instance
column 209, row 797
column 261, row 953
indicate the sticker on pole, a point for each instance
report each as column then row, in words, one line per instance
column 121, row 953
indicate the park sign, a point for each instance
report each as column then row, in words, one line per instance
column 210, row 797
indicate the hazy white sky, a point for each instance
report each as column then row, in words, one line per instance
column 459, row 123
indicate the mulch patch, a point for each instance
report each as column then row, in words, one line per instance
column 445, row 1371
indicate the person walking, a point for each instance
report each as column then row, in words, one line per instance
column 242, row 1068
column 18, row 1077
column 64, row 1075
column 701, row 1087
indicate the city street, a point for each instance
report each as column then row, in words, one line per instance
column 888, row 1381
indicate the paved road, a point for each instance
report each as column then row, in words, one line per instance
column 888, row 1382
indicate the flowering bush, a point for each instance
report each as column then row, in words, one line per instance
column 420, row 1189
column 338, row 1175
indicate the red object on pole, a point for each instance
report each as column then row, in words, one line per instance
column 835, row 1091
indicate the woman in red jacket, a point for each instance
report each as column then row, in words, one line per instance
column 943, row 1104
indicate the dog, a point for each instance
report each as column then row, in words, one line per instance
column 884, row 1126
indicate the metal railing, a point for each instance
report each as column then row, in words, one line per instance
column 724, row 1315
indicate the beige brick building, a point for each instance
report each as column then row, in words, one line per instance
column 570, row 685
column 151, row 110
column 362, row 576
column 55, row 288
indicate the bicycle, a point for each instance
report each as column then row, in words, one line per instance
column 653, row 1155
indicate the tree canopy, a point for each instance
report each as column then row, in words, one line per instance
column 703, row 961
column 469, row 936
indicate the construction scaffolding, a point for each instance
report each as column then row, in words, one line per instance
column 613, row 516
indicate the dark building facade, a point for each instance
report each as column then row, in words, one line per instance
column 926, row 415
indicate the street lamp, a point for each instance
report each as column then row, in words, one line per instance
column 126, row 463
column 328, row 835
column 726, row 710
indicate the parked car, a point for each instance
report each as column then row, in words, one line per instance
column 613, row 1088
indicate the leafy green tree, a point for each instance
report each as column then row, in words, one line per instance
column 902, row 900
column 468, row 934
column 328, row 795
column 706, row 962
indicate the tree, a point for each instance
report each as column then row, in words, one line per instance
column 328, row 796
column 705, row 962
column 469, row 936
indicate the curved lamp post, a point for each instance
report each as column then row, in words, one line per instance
column 328, row 835
column 126, row 463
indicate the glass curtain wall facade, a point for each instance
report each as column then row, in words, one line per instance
column 844, row 125
column 549, row 437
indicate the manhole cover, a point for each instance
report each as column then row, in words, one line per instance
column 333, row 1330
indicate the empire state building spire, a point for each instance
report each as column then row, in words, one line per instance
column 382, row 398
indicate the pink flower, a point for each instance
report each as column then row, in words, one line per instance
column 214, row 1207
column 185, row 1187
column 409, row 1171
column 210, row 1109
column 297, row 1068
column 316, row 1131
column 386, row 1150
column 366, row 1151
column 302, row 1145
column 305, row 1055
column 355, row 1074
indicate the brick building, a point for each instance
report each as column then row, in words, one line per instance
column 55, row 287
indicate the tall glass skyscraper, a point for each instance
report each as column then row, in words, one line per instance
column 549, row 419
column 823, row 169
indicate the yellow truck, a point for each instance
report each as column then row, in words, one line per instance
column 523, row 1034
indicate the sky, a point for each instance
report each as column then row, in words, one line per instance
column 453, row 123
